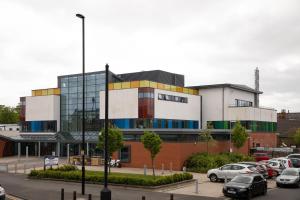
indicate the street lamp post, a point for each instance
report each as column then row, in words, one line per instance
column 83, row 109
column 105, row 192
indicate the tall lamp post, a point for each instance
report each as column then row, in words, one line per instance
column 83, row 110
column 105, row 192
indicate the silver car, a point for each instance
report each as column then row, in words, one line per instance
column 229, row 171
column 290, row 176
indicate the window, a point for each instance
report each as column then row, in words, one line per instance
column 237, row 167
column 257, row 179
column 172, row 98
column 226, row 167
column 243, row 103
column 124, row 154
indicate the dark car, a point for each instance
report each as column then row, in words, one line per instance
column 246, row 186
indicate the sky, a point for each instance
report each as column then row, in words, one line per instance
column 208, row 41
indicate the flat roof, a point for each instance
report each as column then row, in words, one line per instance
column 230, row 85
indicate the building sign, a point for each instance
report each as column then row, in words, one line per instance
column 50, row 161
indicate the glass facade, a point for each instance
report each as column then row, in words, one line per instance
column 254, row 126
column 39, row 126
column 71, row 100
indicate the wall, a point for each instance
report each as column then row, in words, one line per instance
column 176, row 110
column 212, row 104
column 175, row 153
column 264, row 139
column 43, row 108
column 122, row 104
column 251, row 114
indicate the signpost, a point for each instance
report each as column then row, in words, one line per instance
column 50, row 161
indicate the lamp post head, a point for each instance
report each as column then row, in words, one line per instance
column 80, row 16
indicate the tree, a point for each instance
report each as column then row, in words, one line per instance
column 152, row 143
column 9, row 115
column 115, row 140
column 239, row 135
column 206, row 135
column 296, row 137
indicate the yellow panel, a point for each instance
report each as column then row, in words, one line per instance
column 125, row 85
column 167, row 87
column 173, row 88
column 191, row 91
column 153, row 84
column 38, row 92
column 50, row 91
column 33, row 93
column 185, row 90
column 161, row 86
column 44, row 92
column 179, row 89
column 56, row 91
column 117, row 86
column 135, row 84
column 110, row 86
column 144, row 83
column 195, row 92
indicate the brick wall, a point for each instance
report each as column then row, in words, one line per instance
column 263, row 139
column 6, row 148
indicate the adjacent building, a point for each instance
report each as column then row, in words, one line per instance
column 159, row 101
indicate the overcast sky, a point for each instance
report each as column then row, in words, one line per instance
column 209, row 41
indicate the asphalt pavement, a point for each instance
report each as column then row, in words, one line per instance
column 19, row 186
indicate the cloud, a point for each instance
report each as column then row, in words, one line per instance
column 208, row 41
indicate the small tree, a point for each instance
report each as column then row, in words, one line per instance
column 115, row 140
column 296, row 137
column 206, row 135
column 152, row 143
column 239, row 135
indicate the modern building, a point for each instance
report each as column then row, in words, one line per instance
column 156, row 101
column 9, row 127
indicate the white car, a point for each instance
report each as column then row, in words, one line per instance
column 2, row 193
column 287, row 163
column 290, row 176
column 228, row 171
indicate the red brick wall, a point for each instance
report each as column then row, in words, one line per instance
column 175, row 153
column 264, row 139
column 6, row 148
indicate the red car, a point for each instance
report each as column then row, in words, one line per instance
column 261, row 156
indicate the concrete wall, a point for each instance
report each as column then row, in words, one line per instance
column 122, row 104
column 251, row 113
column 43, row 108
column 176, row 110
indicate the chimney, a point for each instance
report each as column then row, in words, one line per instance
column 256, row 96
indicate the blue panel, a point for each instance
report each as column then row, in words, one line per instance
column 36, row 126
column 196, row 125
column 126, row 123
column 170, row 123
column 190, row 124
column 163, row 123
column 179, row 122
column 155, row 123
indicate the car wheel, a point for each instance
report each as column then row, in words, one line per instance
column 265, row 191
column 213, row 178
column 278, row 184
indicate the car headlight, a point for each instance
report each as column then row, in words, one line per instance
column 243, row 190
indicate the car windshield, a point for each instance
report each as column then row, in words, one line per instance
column 290, row 173
column 242, row 179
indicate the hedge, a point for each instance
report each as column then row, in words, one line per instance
column 202, row 162
column 116, row 178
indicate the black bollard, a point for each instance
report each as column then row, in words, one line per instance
column 171, row 197
column 143, row 198
column 62, row 194
column 90, row 197
column 74, row 195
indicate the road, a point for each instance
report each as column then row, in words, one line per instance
column 20, row 186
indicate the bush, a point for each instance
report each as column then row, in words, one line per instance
column 117, row 178
column 66, row 168
column 202, row 162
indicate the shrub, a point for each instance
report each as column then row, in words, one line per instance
column 202, row 162
column 117, row 178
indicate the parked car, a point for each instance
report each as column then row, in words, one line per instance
column 295, row 162
column 276, row 166
column 228, row 171
column 246, row 186
column 258, row 167
column 290, row 176
column 261, row 156
column 287, row 163
column 2, row 193
column 295, row 155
